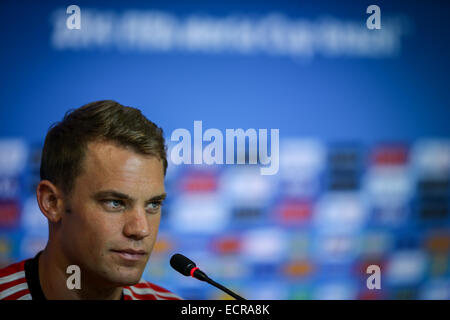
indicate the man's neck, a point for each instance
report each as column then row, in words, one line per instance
column 53, row 281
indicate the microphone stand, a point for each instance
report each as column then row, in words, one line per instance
column 200, row 275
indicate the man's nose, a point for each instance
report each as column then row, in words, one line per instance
column 136, row 225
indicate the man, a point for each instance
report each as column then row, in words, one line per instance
column 101, row 190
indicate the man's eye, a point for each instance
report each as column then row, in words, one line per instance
column 153, row 206
column 113, row 204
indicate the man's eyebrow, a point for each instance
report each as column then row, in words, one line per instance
column 159, row 197
column 122, row 196
column 112, row 194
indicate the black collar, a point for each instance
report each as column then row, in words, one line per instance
column 32, row 277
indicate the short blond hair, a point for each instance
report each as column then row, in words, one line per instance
column 106, row 120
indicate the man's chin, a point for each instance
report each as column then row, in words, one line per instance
column 122, row 281
column 126, row 277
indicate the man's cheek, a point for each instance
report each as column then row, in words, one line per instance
column 93, row 236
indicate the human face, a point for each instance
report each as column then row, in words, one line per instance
column 115, row 210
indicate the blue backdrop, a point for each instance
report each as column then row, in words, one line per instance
column 363, row 114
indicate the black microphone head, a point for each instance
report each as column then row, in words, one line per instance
column 182, row 264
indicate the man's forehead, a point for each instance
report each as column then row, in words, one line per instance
column 98, row 149
column 108, row 152
column 110, row 161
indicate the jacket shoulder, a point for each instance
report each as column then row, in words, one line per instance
column 13, row 283
column 145, row 290
column 13, row 268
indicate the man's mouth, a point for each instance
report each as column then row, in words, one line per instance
column 130, row 254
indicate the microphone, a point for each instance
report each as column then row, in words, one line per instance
column 188, row 268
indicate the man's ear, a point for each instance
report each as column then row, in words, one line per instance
column 50, row 200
